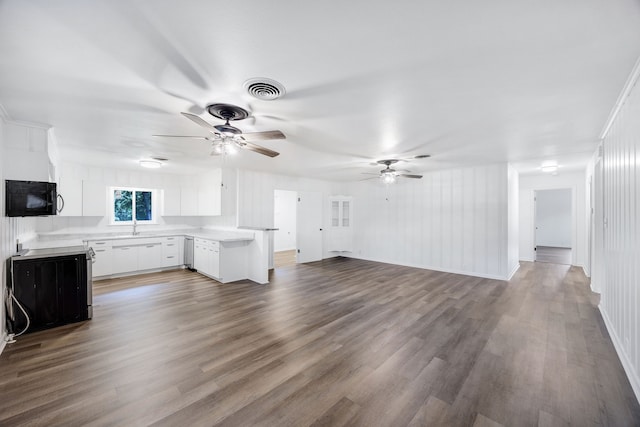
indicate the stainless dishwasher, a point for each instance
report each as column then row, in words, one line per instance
column 188, row 252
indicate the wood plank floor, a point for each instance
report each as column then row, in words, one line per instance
column 553, row 255
column 284, row 258
column 337, row 342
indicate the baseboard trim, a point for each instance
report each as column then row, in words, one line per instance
column 513, row 272
column 426, row 267
column 622, row 355
column 3, row 342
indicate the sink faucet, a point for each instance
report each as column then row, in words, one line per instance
column 135, row 224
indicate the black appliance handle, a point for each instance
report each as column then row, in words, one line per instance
column 61, row 200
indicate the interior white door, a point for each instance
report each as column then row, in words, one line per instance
column 309, row 226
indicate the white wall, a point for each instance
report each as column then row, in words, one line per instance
column 620, row 262
column 10, row 230
column 451, row 220
column 284, row 239
column 553, row 218
column 573, row 180
column 256, row 198
column 513, row 221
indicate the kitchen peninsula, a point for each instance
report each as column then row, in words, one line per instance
column 225, row 255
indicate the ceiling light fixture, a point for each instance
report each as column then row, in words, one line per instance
column 388, row 177
column 151, row 164
column 549, row 168
column 225, row 148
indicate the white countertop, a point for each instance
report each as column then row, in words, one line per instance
column 68, row 240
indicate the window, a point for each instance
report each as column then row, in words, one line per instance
column 131, row 204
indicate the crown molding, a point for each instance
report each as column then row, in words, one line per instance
column 626, row 91
column 25, row 123
column 4, row 115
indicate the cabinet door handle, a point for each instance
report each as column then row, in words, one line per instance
column 150, row 246
column 171, row 256
column 101, row 250
column 99, row 243
column 171, row 244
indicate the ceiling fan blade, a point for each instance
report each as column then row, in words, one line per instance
column 259, row 149
column 182, row 136
column 369, row 173
column 200, row 122
column 263, row 136
column 410, row 176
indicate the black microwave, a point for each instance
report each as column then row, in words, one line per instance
column 30, row 198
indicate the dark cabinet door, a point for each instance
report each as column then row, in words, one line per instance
column 24, row 289
column 72, row 286
column 53, row 291
column 47, row 313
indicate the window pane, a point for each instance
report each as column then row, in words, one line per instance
column 122, row 206
column 345, row 214
column 143, row 205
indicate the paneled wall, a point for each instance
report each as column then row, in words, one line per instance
column 513, row 207
column 620, row 289
column 256, row 197
column 453, row 220
column 10, row 230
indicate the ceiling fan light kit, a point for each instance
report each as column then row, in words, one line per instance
column 388, row 178
column 389, row 175
column 227, row 138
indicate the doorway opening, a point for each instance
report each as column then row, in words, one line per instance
column 285, row 220
column 553, row 226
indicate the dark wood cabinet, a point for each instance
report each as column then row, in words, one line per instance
column 52, row 290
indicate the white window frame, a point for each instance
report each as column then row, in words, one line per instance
column 154, row 205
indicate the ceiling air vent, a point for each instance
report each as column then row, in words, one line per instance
column 264, row 89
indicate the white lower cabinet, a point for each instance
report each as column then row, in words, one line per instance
column 125, row 259
column 118, row 256
column 150, row 256
column 172, row 251
column 103, row 260
column 200, row 255
column 214, row 259
column 223, row 261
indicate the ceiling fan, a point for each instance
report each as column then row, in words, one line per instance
column 227, row 139
column 389, row 175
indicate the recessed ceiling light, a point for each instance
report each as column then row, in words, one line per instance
column 151, row 164
column 549, row 168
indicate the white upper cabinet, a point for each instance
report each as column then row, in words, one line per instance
column 94, row 198
column 71, row 192
column 171, row 201
column 188, row 201
column 26, row 153
column 341, row 224
column 209, row 193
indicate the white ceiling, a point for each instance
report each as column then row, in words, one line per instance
column 467, row 82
